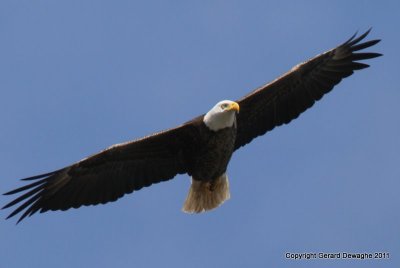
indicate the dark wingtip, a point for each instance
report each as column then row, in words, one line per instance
column 6, row 206
column 365, row 45
column 26, row 187
column 353, row 40
column 350, row 39
column 10, row 192
column 35, row 188
column 30, row 202
column 19, row 220
column 358, row 39
column 40, row 176
column 364, row 56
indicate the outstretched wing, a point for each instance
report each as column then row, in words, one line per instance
column 108, row 175
column 285, row 98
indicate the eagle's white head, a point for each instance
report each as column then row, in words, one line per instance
column 222, row 115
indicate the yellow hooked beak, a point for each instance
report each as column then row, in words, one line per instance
column 234, row 106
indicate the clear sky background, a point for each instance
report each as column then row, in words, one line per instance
column 79, row 76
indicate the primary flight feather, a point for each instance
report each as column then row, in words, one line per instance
column 201, row 147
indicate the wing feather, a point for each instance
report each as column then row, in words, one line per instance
column 285, row 98
column 110, row 174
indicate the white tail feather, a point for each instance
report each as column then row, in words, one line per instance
column 204, row 196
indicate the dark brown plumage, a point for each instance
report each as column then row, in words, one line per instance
column 285, row 98
column 127, row 167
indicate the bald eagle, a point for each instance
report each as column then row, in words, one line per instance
column 201, row 147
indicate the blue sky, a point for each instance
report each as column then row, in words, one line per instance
column 78, row 76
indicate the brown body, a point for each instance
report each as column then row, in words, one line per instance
column 212, row 158
column 210, row 186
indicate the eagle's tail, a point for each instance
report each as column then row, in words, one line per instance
column 206, row 195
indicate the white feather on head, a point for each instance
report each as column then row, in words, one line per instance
column 222, row 115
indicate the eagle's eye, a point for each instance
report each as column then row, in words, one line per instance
column 223, row 106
